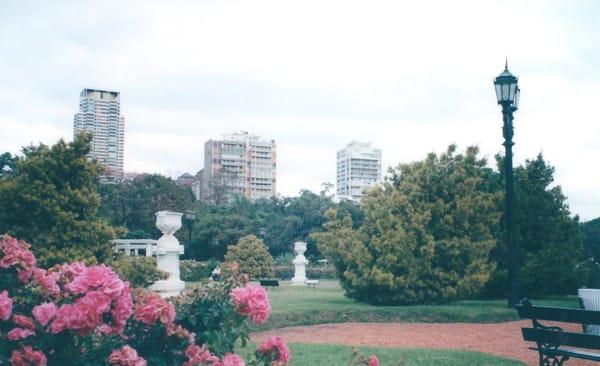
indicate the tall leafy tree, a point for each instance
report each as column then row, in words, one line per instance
column 426, row 236
column 52, row 202
column 132, row 204
column 549, row 238
column 591, row 238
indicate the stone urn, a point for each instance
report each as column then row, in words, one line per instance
column 168, row 251
column 300, row 263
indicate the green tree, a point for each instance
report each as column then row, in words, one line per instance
column 132, row 204
column 252, row 255
column 8, row 165
column 52, row 202
column 216, row 227
column 426, row 236
column 549, row 238
column 591, row 238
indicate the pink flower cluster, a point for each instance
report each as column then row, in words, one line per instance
column 373, row 361
column 17, row 254
column 276, row 350
column 198, row 356
column 252, row 301
column 126, row 356
column 150, row 308
column 28, row 357
column 45, row 312
column 89, row 300
column 101, row 293
column 27, row 328
column 46, row 280
column 6, row 304
column 230, row 359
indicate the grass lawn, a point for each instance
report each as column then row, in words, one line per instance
column 336, row 355
column 293, row 305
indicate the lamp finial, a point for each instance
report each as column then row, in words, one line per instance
column 506, row 64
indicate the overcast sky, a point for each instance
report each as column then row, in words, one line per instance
column 411, row 77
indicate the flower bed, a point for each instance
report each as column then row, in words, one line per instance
column 79, row 315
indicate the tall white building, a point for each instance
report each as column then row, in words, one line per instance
column 241, row 164
column 358, row 168
column 100, row 114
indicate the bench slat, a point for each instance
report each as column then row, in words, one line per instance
column 270, row 283
column 575, row 353
column 561, row 338
column 567, row 315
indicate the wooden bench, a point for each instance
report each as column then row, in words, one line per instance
column 313, row 283
column 269, row 283
column 552, row 341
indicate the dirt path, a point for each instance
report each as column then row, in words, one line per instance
column 501, row 339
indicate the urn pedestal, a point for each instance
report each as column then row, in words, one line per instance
column 300, row 263
column 168, row 251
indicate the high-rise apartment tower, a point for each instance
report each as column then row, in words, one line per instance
column 358, row 168
column 100, row 114
column 240, row 164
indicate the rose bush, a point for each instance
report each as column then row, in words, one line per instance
column 79, row 315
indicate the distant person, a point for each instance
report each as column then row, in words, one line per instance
column 216, row 274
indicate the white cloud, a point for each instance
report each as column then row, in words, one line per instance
column 411, row 77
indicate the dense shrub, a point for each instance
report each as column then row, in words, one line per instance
column 252, row 256
column 426, row 236
column 588, row 272
column 193, row 271
column 284, row 259
column 138, row 271
column 79, row 315
column 286, row 272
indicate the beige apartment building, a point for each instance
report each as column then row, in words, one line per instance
column 239, row 164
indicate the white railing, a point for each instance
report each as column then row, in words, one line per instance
column 135, row 247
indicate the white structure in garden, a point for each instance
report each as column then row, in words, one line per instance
column 167, row 254
column 300, row 263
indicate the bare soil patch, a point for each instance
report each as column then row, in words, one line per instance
column 500, row 339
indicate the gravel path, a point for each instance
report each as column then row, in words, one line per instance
column 501, row 339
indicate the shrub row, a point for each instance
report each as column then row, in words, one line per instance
column 286, row 272
column 193, row 271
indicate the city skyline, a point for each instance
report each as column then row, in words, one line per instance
column 409, row 78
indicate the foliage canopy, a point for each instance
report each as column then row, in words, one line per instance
column 426, row 237
column 252, row 256
column 52, row 200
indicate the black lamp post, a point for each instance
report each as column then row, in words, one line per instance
column 190, row 217
column 507, row 93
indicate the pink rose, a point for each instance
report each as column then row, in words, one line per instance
column 100, row 277
column 150, row 307
column 373, row 361
column 230, row 359
column 17, row 334
column 81, row 318
column 252, row 301
column 28, row 357
column 24, row 275
column 123, row 308
column 23, row 321
column 198, row 356
column 126, row 356
column 275, row 349
column 97, row 300
column 44, row 313
column 6, row 304
column 46, row 280
column 16, row 252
